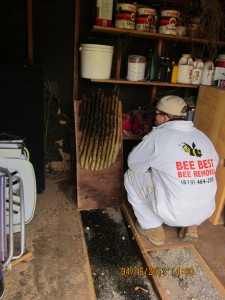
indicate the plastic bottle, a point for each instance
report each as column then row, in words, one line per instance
column 174, row 72
column 185, row 67
column 196, row 77
column 208, row 72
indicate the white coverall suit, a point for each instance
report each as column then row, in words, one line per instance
column 171, row 176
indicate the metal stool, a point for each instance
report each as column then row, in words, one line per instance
column 17, row 203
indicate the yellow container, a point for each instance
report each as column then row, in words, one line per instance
column 174, row 73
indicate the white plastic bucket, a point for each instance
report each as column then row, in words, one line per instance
column 96, row 61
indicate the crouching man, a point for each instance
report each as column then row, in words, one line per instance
column 171, row 175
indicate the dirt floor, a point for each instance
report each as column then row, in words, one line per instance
column 60, row 267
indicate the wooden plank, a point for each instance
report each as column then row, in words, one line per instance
column 152, row 35
column 98, row 189
column 19, row 260
column 76, row 49
column 87, row 262
column 146, row 247
column 118, row 61
column 145, row 244
column 152, row 83
column 144, row 253
column 200, row 261
column 209, row 273
column 30, row 31
column 209, row 117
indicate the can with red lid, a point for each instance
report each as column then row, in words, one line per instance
column 146, row 19
column 169, row 21
column 104, row 12
column 125, row 15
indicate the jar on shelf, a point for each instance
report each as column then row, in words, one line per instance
column 197, row 71
column 185, row 67
column 208, row 72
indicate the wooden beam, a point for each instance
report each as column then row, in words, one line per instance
column 30, row 31
column 19, row 260
column 76, row 49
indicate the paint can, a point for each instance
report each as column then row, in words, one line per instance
column 104, row 12
column 169, row 20
column 125, row 15
column 146, row 19
column 136, row 68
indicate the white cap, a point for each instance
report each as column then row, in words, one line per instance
column 172, row 105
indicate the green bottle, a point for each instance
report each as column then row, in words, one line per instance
column 148, row 65
column 155, row 66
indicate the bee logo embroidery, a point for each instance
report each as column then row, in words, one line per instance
column 192, row 150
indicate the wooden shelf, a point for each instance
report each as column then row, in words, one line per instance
column 157, row 36
column 153, row 83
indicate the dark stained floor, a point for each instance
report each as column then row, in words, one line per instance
column 59, row 267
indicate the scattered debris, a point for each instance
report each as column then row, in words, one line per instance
column 181, row 274
column 112, row 252
column 140, row 288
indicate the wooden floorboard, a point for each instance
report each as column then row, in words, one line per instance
column 172, row 242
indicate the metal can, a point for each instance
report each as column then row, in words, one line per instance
column 169, row 21
column 146, row 11
column 146, row 19
column 142, row 23
column 168, row 13
column 125, row 24
column 136, row 67
column 125, row 15
column 104, row 12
